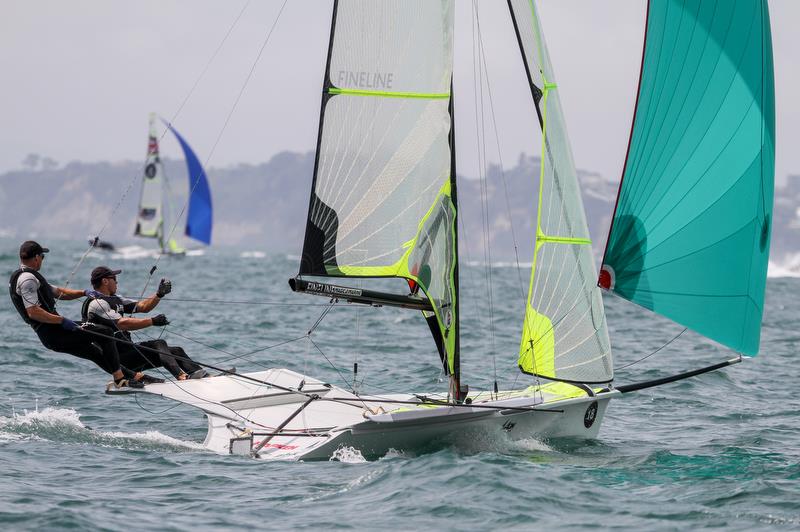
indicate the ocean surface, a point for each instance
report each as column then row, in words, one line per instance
column 720, row 450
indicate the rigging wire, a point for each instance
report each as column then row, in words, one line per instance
column 234, row 356
column 654, row 352
column 500, row 157
column 230, row 302
column 137, row 175
column 480, row 130
column 219, row 137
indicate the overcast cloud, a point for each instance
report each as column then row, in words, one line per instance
column 80, row 77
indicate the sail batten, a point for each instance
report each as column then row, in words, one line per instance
column 690, row 232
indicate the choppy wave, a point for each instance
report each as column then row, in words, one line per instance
column 252, row 254
column 64, row 425
column 788, row 267
column 348, row 455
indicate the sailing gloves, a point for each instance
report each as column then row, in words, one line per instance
column 164, row 288
column 69, row 325
column 160, row 321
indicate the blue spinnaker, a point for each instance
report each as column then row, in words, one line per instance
column 199, row 217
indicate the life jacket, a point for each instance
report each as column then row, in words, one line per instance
column 45, row 293
column 116, row 303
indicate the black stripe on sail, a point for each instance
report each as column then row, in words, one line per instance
column 314, row 256
column 536, row 92
column 319, row 246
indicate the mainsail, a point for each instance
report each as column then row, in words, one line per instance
column 564, row 334
column 691, row 229
column 150, row 217
column 383, row 195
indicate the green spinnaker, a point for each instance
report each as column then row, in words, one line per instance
column 690, row 235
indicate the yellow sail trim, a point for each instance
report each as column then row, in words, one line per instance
column 174, row 247
column 390, row 94
column 537, row 349
column 401, row 269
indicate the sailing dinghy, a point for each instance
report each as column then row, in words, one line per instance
column 690, row 238
column 156, row 214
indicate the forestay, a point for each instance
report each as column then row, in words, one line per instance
column 564, row 334
column 382, row 202
column 691, row 230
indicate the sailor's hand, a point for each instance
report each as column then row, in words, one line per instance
column 159, row 321
column 69, row 325
column 164, row 288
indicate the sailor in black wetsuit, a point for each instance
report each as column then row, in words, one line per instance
column 35, row 300
column 105, row 307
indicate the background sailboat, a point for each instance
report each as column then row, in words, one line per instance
column 156, row 215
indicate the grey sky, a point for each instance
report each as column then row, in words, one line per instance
column 80, row 77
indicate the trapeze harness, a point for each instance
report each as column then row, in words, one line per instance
column 116, row 303
column 101, row 351
column 46, row 301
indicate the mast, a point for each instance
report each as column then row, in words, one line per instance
column 456, row 391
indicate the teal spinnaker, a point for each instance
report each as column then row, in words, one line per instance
column 690, row 234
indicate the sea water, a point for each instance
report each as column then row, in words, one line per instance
column 718, row 450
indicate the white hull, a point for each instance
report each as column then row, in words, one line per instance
column 242, row 413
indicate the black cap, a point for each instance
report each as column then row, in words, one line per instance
column 102, row 272
column 30, row 249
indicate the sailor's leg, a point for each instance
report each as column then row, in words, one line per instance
column 138, row 357
column 165, row 357
column 186, row 364
column 83, row 345
column 104, row 337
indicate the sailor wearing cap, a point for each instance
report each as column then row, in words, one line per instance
column 105, row 307
column 35, row 301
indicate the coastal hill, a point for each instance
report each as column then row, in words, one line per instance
column 263, row 207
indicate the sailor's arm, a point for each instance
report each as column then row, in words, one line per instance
column 148, row 304
column 134, row 324
column 37, row 313
column 66, row 294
